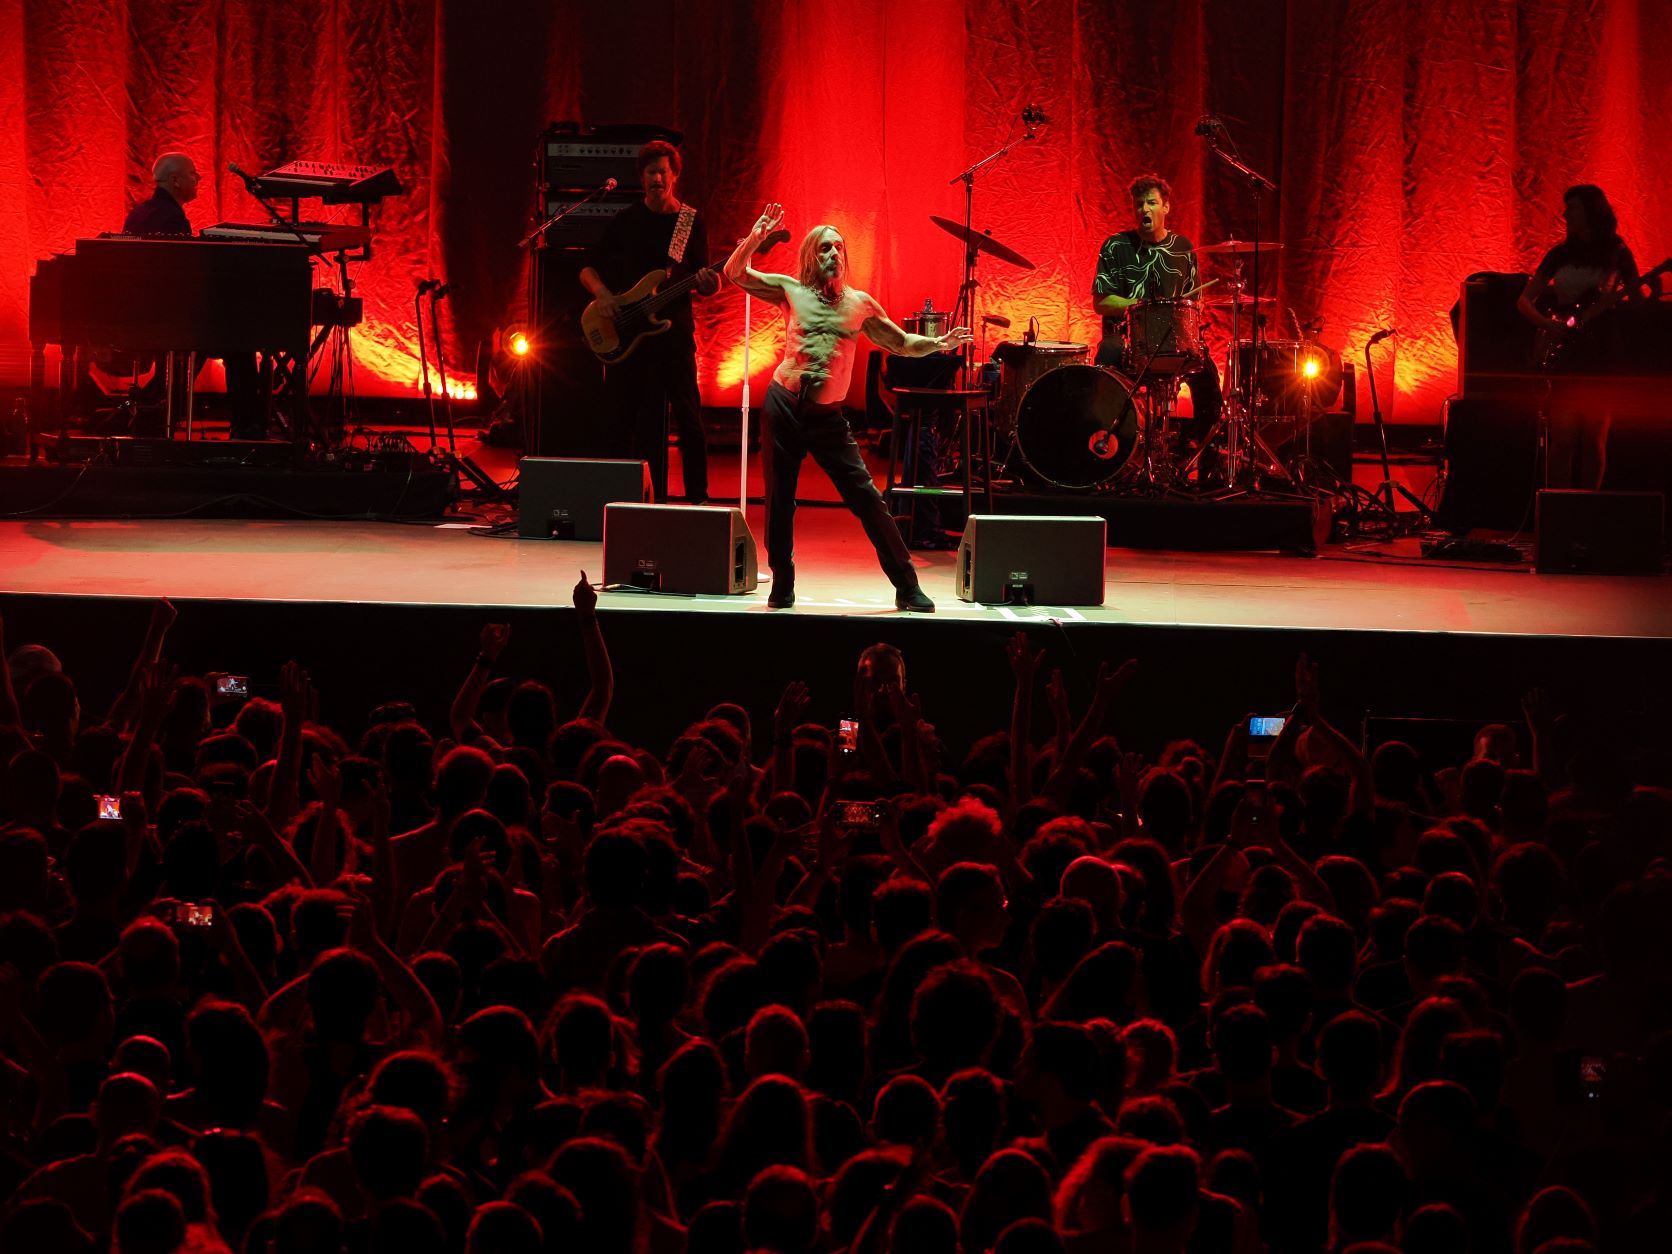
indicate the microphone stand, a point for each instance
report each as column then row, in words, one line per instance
column 766, row 245
column 1388, row 487
column 423, row 358
column 436, row 295
column 539, row 232
column 460, row 465
column 965, row 304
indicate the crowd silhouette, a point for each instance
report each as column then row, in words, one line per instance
column 514, row 984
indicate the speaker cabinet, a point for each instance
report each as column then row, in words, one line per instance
column 563, row 498
column 1492, row 466
column 1599, row 533
column 1031, row 559
column 679, row 548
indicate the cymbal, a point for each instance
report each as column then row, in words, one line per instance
column 1235, row 247
column 1225, row 302
column 981, row 241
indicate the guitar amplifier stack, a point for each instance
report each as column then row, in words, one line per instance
column 576, row 159
column 567, row 397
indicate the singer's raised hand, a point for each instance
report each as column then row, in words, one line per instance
column 772, row 217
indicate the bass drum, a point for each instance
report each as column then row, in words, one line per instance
column 1077, row 426
column 1021, row 364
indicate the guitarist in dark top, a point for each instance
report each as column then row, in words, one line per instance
column 1578, row 282
column 661, row 371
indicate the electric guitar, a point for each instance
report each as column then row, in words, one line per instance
column 1559, row 348
column 614, row 338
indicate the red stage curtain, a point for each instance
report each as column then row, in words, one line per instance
column 1414, row 140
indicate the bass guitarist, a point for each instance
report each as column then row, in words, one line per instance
column 1579, row 280
column 658, row 233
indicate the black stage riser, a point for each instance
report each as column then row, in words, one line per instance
column 1138, row 522
column 40, row 491
column 671, row 667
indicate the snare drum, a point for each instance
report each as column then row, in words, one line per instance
column 1020, row 365
column 1163, row 337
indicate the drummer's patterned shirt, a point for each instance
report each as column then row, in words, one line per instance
column 1134, row 268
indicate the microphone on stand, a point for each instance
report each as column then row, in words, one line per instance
column 609, row 185
column 232, row 167
column 1382, row 335
column 1032, row 117
column 441, row 291
column 1208, row 126
column 428, row 285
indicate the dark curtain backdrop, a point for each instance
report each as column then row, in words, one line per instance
column 1414, row 141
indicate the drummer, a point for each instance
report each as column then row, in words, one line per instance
column 1150, row 262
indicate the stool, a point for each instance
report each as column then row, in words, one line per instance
column 913, row 406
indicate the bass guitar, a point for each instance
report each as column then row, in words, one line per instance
column 614, row 338
column 1557, row 349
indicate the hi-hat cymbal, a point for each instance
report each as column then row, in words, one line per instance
column 1225, row 302
column 981, row 241
column 1235, row 247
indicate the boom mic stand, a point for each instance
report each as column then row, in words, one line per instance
column 964, row 306
column 1212, row 129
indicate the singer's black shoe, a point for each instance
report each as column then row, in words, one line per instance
column 782, row 595
column 913, row 600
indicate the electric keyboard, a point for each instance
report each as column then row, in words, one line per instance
column 326, row 237
column 333, row 183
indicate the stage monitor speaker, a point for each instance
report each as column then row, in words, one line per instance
column 1599, row 533
column 563, row 498
column 1032, row 559
column 679, row 548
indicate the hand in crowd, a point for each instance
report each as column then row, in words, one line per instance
column 485, row 982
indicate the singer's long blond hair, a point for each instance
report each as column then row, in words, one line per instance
column 808, row 259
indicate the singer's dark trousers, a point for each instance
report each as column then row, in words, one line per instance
column 791, row 429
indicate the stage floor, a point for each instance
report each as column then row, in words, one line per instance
column 444, row 565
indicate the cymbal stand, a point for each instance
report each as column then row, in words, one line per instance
column 1246, row 452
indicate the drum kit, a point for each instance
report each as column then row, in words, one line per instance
column 1061, row 421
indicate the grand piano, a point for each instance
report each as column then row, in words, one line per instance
column 237, row 288
column 155, row 296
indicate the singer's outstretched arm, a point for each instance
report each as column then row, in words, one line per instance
column 739, row 271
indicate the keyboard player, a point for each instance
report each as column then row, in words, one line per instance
column 164, row 214
column 176, row 177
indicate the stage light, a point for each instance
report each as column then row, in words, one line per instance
column 519, row 344
column 1310, row 369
